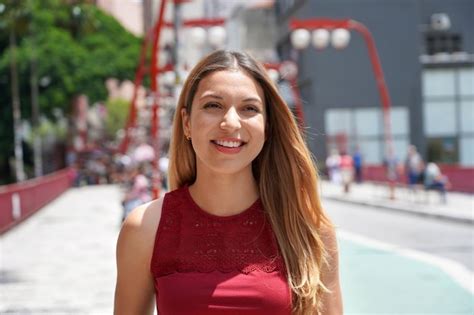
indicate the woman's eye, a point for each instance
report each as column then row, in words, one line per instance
column 252, row 108
column 212, row 105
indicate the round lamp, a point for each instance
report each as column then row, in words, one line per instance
column 340, row 38
column 300, row 38
column 320, row 38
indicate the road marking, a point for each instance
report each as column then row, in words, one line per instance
column 460, row 274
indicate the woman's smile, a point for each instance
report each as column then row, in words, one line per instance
column 229, row 145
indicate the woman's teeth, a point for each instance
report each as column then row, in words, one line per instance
column 228, row 144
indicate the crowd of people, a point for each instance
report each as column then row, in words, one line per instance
column 133, row 173
column 345, row 169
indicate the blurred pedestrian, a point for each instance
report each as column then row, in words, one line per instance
column 414, row 167
column 357, row 158
column 138, row 191
column 392, row 169
column 435, row 180
column 347, row 171
column 242, row 230
column 333, row 166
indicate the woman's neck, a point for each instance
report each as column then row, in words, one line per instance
column 223, row 194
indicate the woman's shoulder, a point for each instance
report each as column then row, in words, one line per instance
column 139, row 228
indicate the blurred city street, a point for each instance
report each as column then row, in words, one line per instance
column 62, row 259
column 382, row 91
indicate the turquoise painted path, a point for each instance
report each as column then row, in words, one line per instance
column 376, row 281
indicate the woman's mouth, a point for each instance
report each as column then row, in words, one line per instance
column 228, row 146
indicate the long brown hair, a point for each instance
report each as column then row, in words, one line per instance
column 285, row 173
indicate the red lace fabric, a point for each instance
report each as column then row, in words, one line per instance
column 229, row 265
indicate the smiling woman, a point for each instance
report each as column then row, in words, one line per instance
column 242, row 229
column 226, row 125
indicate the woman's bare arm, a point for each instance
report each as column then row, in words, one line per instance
column 332, row 302
column 134, row 291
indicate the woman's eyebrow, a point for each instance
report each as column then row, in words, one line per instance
column 210, row 94
column 250, row 99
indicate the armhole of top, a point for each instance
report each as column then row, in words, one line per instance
column 158, row 233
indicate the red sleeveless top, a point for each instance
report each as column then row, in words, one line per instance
column 210, row 265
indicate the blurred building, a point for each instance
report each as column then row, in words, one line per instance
column 426, row 48
column 130, row 13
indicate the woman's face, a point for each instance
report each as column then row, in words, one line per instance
column 227, row 122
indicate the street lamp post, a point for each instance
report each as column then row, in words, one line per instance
column 339, row 39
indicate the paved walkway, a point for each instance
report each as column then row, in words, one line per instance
column 62, row 259
column 459, row 206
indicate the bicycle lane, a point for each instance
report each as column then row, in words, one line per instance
column 379, row 278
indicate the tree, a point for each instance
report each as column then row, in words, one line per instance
column 117, row 111
column 15, row 22
column 76, row 48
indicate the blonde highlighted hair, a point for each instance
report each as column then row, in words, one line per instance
column 285, row 173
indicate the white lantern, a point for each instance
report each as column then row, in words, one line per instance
column 320, row 38
column 300, row 38
column 167, row 36
column 217, row 36
column 169, row 78
column 197, row 36
column 288, row 70
column 340, row 38
column 273, row 74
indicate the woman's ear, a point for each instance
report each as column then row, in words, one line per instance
column 186, row 123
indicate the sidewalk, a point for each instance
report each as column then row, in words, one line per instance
column 62, row 259
column 459, row 206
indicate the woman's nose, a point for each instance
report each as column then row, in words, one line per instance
column 231, row 120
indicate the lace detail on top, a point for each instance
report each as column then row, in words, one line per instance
column 192, row 240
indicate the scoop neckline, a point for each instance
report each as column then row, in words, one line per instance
column 197, row 208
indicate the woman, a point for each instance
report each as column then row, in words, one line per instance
column 242, row 230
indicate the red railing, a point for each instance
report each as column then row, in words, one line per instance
column 461, row 178
column 19, row 201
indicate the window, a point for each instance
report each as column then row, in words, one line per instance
column 364, row 128
column 399, row 121
column 438, row 82
column 448, row 111
column 466, row 82
column 442, row 42
column 338, row 121
column 440, row 118
column 467, row 116
column 368, row 122
column 444, row 150
column 371, row 151
column 467, row 151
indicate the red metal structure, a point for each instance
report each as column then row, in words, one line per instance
column 154, row 37
column 21, row 200
column 349, row 24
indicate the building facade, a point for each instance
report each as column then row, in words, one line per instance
column 426, row 48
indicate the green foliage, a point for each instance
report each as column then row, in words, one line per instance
column 117, row 112
column 76, row 54
column 76, row 47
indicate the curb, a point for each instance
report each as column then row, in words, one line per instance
column 437, row 215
